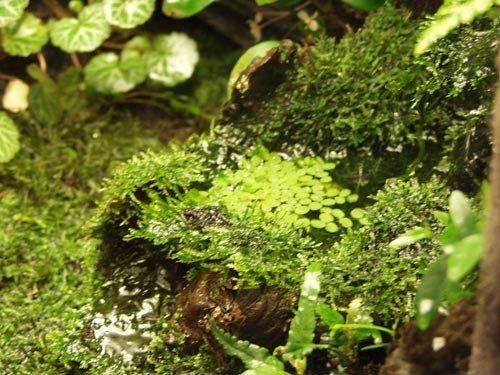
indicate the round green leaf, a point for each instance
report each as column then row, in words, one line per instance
column 465, row 257
column 11, row 10
column 184, row 8
column 9, row 138
column 26, row 36
column 128, row 14
column 110, row 74
column 332, row 227
column 173, row 59
column 82, row 34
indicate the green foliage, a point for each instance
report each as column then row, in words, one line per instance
column 299, row 344
column 462, row 244
column 363, row 265
column 11, row 11
column 366, row 5
column 300, row 192
column 450, row 15
column 9, row 138
column 25, row 36
column 184, row 8
column 347, row 335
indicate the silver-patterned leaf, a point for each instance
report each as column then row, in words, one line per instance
column 26, row 36
column 9, row 138
column 173, row 59
column 11, row 10
column 128, row 13
column 82, row 34
column 109, row 73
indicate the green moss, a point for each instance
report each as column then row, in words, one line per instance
column 361, row 264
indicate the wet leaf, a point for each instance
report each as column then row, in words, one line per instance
column 26, row 36
column 82, row 34
column 128, row 13
column 11, row 10
column 9, row 138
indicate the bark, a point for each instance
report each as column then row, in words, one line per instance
column 485, row 358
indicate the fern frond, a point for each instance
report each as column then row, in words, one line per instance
column 452, row 14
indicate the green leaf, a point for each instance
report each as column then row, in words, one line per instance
column 11, row 10
column 82, row 34
column 414, row 235
column 451, row 14
column 461, row 214
column 254, row 357
column 28, row 35
column 365, row 5
column 328, row 315
column 9, row 138
column 173, row 59
column 431, row 291
column 264, row 2
column 465, row 257
column 128, row 14
column 184, row 8
column 301, row 334
column 109, row 73
column 258, row 50
column 44, row 97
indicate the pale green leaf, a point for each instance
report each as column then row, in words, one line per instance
column 184, row 8
column 82, row 34
column 26, row 36
column 465, row 257
column 264, row 2
column 173, row 59
column 254, row 357
column 461, row 214
column 15, row 98
column 109, row 73
column 257, row 50
column 414, row 235
column 430, row 292
column 11, row 10
column 301, row 334
column 128, row 14
column 9, row 138
column 451, row 14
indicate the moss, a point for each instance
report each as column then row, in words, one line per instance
column 362, row 265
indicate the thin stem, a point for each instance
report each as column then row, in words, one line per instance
column 58, row 9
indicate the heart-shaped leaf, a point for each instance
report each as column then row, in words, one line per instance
column 184, row 8
column 26, row 36
column 9, row 138
column 173, row 59
column 128, row 13
column 11, row 10
column 82, row 34
column 109, row 73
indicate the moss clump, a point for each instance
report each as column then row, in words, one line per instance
column 362, row 265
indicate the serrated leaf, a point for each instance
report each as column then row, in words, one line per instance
column 9, row 138
column 414, row 235
column 449, row 16
column 301, row 334
column 467, row 253
column 82, row 34
column 430, row 292
column 184, row 8
column 173, row 59
column 109, row 73
column 128, row 14
column 26, row 36
column 253, row 356
column 328, row 315
column 11, row 10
